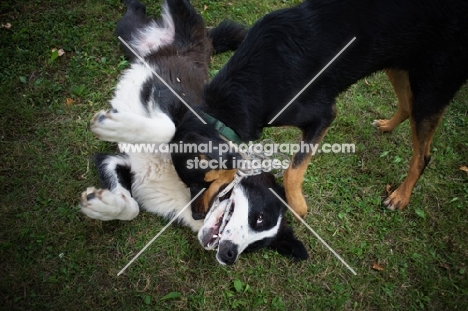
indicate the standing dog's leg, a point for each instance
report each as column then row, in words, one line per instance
column 401, row 85
column 294, row 175
column 293, row 178
column 432, row 92
column 422, row 134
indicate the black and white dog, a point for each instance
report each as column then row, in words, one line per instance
column 178, row 48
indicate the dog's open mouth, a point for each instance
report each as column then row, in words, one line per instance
column 211, row 239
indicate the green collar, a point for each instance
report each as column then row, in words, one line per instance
column 222, row 128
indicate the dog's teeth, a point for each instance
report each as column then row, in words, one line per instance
column 215, row 236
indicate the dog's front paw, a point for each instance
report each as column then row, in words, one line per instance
column 109, row 125
column 133, row 128
column 103, row 204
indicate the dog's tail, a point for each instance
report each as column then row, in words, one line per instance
column 227, row 36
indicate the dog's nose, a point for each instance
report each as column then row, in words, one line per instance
column 198, row 216
column 227, row 252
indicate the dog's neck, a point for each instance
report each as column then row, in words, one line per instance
column 234, row 108
column 225, row 131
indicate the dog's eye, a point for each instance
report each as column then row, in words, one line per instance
column 260, row 219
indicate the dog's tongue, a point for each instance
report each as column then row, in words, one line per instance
column 215, row 217
column 210, row 238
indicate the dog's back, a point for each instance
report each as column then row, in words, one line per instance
column 285, row 48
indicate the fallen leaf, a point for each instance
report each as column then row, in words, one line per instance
column 377, row 267
column 387, row 189
column 6, row 26
column 464, row 168
column 205, row 7
column 59, row 52
column 70, row 102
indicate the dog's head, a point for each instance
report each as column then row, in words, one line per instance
column 256, row 215
column 255, row 220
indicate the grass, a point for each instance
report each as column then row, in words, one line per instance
column 54, row 258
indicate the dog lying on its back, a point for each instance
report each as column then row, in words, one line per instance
column 178, row 49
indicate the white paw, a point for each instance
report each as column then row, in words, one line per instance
column 103, row 204
column 110, row 125
column 128, row 127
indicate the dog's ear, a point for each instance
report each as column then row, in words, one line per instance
column 198, row 205
column 288, row 245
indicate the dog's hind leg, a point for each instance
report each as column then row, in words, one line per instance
column 432, row 92
column 114, row 200
column 401, row 86
column 143, row 34
column 422, row 133
column 188, row 24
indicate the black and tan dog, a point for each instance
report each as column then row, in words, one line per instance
column 422, row 45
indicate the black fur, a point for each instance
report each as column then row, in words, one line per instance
column 227, row 36
column 285, row 49
column 285, row 243
column 118, row 174
column 183, row 64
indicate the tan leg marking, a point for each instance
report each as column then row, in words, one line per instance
column 401, row 86
column 293, row 178
column 421, row 139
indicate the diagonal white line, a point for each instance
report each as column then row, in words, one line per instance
column 160, row 232
column 316, row 76
column 315, row 233
column 162, row 80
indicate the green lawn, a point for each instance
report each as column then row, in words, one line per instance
column 54, row 258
